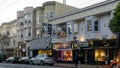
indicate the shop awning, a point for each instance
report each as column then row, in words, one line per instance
column 42, row 43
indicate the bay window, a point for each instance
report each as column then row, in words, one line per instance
column 92, row 24
column 89, row 25
column 96, row 25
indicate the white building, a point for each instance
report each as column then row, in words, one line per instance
column 90, row 24
column 25, row 30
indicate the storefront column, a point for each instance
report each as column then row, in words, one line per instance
column 31, row 53
column 86, row 55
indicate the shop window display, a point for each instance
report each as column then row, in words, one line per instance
column 64, row 55
column 67, row 55
column 99, row 55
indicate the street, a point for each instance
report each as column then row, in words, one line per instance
column 8, row 65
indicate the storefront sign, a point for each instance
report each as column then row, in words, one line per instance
column 62, row 46
column 45, row 52
column 83, row 44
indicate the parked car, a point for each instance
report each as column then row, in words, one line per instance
column 42, row 60
column 24, row 60
column 12, row 60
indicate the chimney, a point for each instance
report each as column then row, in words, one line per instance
column 64, row 2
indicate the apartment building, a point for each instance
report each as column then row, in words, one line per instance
column 85, row 31
column 25, row 30
column 41, row 28
column 8, row 29
column 48, row 10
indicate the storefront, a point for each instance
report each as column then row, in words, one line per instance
column 63, row 52
column 41, row 46
column 64, row 55
column 99, row 52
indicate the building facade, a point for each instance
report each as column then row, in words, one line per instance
column 25, row 30
column 90, row 26
column 42, row 29
column 48, row 10
column 9, row 46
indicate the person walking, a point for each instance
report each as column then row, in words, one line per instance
column 76, row 58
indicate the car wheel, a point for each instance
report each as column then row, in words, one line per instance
column 41, row 62
column 51, row 64
column 11, row 62
column 114, row 66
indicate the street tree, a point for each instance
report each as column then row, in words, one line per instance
column 4, row 40
column 114, row 24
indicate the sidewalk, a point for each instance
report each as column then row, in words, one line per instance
column 81, row 65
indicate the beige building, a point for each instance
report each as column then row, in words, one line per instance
column 10, row 47
column 48, row 10
column 24, row 30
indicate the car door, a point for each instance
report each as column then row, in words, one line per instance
column 38, row 58
column 35, row 60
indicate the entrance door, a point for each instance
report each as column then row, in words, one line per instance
column 89, row 57
column 35, row 52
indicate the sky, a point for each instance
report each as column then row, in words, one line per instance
column 9, row 8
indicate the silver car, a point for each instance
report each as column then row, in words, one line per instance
column 24, row 60
column 42, row 60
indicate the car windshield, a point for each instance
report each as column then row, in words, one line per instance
column 11, row 58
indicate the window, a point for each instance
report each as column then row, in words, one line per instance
column 47, row 15
column 38, row 22
column 89, row 25
column 29, row 34
column 29, row 21
column 51, row 14
column 8, row 33
column 8, row 44
column 25, row 21
column 14, row 42
column 49, row 29
column 69, row 28
column 21, row 36
column 96, row 25
column 21, row 23
column 25, row 31
column 76, row 27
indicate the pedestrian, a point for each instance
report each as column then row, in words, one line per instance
column 76, row 60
